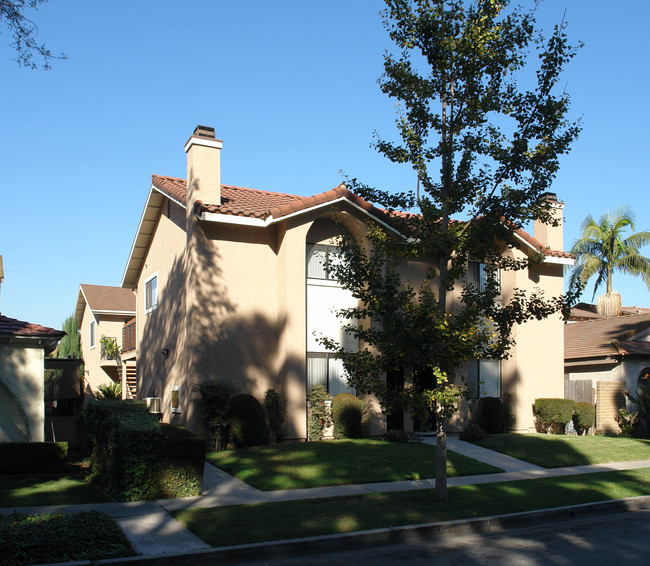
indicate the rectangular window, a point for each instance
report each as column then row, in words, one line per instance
column 176, row 399
column 478, row 273
column 93, row 331
column 151, row 293
column 484, row 378
column 317, row 257
column 324, row 369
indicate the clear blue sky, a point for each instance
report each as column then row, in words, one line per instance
column 290, row 86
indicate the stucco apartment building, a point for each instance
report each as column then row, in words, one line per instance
column 229, row 283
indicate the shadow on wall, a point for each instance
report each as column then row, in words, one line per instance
column 213, row 339
column 14, row 423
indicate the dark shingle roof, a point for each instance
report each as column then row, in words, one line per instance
column 605, row 337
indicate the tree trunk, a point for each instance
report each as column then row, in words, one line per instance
column 441, row 460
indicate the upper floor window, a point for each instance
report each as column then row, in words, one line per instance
column 317, row 257
column 484, row 378
column 93, row 333
column 151, row 293
column 478, row 274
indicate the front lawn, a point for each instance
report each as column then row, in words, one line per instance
column 243, row 524
column 558, row 451
column 46, row 489
column 38, row 539
column 339, row 462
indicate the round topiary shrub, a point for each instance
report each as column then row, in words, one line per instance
column 472, row 433
column 247, row 422
column 347, row 410
column 583, row 417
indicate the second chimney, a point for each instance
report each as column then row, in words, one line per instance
column 203, row 167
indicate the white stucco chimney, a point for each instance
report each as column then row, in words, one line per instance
column 203, row 167
column 548, row 235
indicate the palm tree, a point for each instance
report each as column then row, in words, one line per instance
column 601, row 250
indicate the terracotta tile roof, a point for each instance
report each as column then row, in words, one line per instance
column 540, row 248
column 105, row 298
column 253, row 203
column 605, row 337
column 15, row 327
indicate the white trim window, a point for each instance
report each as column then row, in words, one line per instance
column 151, row 293
column 484, row 378
column 93, row 334
column 478, row 273
column 317, row 257
column 176, row 399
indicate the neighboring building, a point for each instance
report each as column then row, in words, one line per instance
column 23, row 347
column 584, row 311
column 102, row 311
column 603, row 358
column 230, row 284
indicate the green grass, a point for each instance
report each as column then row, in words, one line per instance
column 243, row 524
column 558, row 451
column 36, row 539
column 339, row 462
column 46, row 489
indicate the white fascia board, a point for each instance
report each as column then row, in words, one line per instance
column 113, row 313
column 217, row 144
column 262, row 223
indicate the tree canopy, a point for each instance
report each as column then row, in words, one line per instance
column 24, row 33
column 484, row 139
column 603, row 248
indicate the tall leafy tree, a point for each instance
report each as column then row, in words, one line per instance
column 483, row 148
column 24, row 33
column 603, row 248
column 70, row 345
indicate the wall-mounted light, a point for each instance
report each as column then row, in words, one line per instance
column 165, row 352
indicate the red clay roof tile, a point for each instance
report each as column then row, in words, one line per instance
column 15, row 327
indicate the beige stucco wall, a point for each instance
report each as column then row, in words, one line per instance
column 96, row 371
column 22, row 410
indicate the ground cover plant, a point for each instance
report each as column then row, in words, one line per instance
column 338, row 462
column 47, row 489
column 552, row 451
column 38, row 539
column 242, row 524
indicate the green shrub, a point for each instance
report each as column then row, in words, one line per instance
column 347, row 411
column 247, row 422
column 552, row 415
column 33, row 457
column 472, row 433
column 583, row 417
column 319, row 414
column 133, row 460
column 214, row 400
column 639, row 420
column 275, row 412
column 400, row 435
column 491, row 415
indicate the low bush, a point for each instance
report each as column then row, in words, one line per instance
column 491, row 415
column 246, row 422
column 583, row 417
column 214, row 400
column 347, row 411
column 319, row 414
column 472, row 433
column 552, row 415
column 33, row 457
column 275, row 412
column 133, row 460
column 400, row 435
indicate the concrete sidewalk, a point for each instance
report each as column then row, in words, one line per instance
column 152, row 530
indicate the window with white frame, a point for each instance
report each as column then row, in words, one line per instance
column 478, row 275
column 317, row 257
column 176, row 399
column 151, row 293
column 93, row 333
column 484, row 378
column 326, row 370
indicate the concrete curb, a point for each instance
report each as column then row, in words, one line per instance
column 379, row 537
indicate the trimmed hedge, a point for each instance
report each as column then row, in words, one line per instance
column 132, row 459
column 583, row 417
column 33, row 457
column 552, row 415
column 247, row 422
column 347, row 410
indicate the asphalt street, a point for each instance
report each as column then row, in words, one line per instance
column 621, row 538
